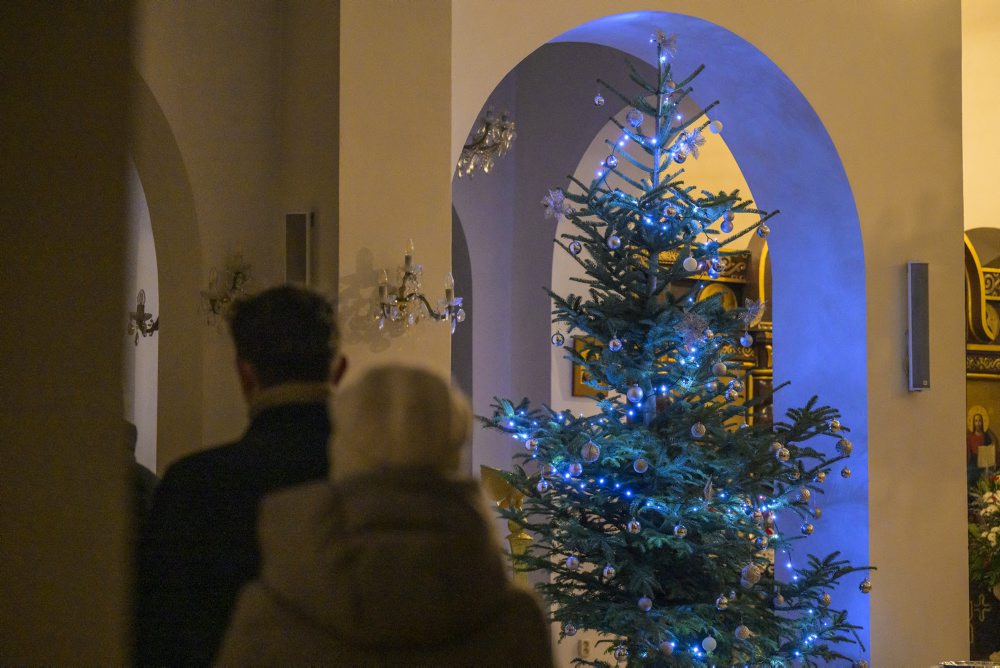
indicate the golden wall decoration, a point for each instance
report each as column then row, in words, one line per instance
column 742, row 275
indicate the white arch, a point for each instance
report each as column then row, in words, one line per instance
column 790, row 163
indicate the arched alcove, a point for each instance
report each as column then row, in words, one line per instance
column 141, row 352
column 170, row 201
column 789, row 162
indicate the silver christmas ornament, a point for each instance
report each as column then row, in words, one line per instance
column 531, row 444
column 575, row 469
column 742, row 632
column 715, row 126
column 621, row 653
column 598, row 100
column 640, row 465
column 709, row 644
column 783, row 454
column 834, row 425
column 609, row 572
column 804, row 494
column 569, row 629
column 634, row 117
column 722, row 603
column 615, row 344
column 572, row 563
column 680, row 531
column 679, row 157
column 558, row 339
column 820, row 476
column 590, row 452
column 865, row 586
column 779, row 600
column 611, row 161
column 542, row 486
column 634, row 526
column 746, row 340
column 726, row 226
column 645, row 604
column 575, row 247
column 666, row 648
column 825, row 599
column 719, row 369
column 795, row 473
column 763, row 231
column 817, row 512
column 548, row 470
column 614, row 242
column 845, row 447
column 635, row 394
column 690, row 264
column 698, row 430
column 807, row 529
column 845, row 472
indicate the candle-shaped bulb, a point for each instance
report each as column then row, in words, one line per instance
column 408, row 256
column 383, row 286
column 449, row 287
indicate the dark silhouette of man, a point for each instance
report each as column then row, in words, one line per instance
column 199, row 544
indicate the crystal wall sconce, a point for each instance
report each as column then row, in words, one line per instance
column 225, row 288
column 140, row 322
column 491, row 139
column 406, row 304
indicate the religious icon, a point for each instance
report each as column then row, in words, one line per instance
column 980, row 440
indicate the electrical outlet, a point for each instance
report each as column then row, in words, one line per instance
column 584, row 648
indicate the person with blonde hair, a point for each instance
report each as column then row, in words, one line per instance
column 392, row 562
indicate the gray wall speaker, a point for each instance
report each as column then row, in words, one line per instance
column 298, row 240
column 918, row 327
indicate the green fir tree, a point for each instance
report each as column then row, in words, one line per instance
column 654, row 517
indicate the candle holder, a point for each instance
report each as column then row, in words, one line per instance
column 141, row 323
column 406, row 303
column 225, row 288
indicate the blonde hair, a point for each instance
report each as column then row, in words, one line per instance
column 398, row 415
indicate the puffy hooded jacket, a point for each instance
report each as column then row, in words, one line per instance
column 395, row 567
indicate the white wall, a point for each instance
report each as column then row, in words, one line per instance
column 140, row 372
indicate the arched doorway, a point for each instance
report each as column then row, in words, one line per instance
column 789, row 162
column 168, row 195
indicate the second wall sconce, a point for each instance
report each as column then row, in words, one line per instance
column 227, row 287
column 140, row 322
column 405, row 303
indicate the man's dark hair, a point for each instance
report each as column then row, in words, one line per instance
column 287, row 333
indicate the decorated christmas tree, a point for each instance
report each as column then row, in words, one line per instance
column 654, row 517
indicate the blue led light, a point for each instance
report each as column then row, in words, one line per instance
column 600, row 481
column 628, row 492
column 600, row 173
column 617, row 485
